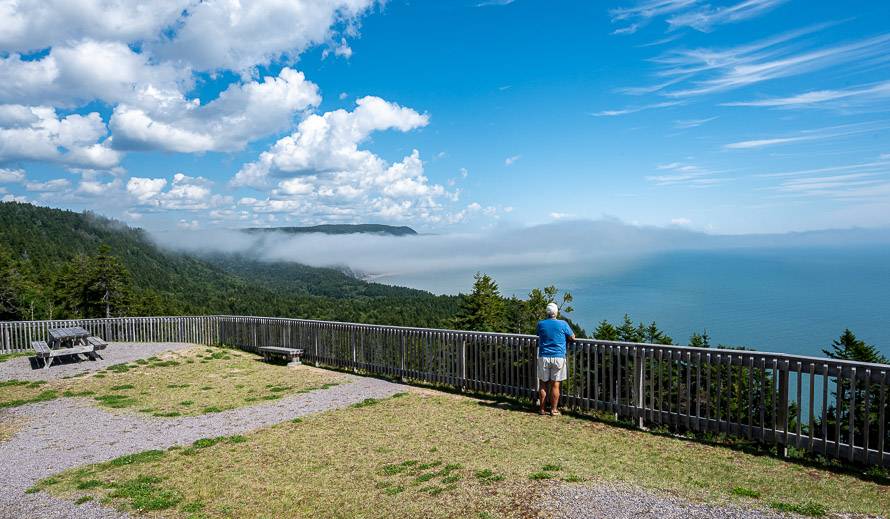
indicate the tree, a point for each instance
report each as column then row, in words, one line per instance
column 109, row 283
column 702, row 340
column 848, row 347
column 482, row 310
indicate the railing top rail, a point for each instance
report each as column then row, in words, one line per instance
column 803, row 359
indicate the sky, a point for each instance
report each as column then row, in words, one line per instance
column 726, row 117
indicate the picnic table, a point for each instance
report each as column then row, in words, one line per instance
column 67, row 341
column 68, row 337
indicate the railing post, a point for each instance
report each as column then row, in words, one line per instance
column 638, row 379
column 402, row 363
column 354, row 357
column 783, row 408
column 463, row 364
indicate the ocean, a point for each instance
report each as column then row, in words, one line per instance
column 791, row 300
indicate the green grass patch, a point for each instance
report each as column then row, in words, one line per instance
column 136, row 459
column 144, row 493
column 535, row 476
column 746, row 492
column 810, row 509
column 83, row 499
column 368, row 402
column 483, row 457
column 9, row 356
column 164, row 393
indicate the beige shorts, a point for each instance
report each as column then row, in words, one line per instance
column 552, row 368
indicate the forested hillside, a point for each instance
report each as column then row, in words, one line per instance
column 51, row 266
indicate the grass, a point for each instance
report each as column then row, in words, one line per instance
column 168, row 385
column 9, row 426
column 448, row 456
column 9, row 356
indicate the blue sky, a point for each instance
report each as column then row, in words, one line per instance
column 743, row 116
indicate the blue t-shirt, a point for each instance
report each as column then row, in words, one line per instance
column 552, row 335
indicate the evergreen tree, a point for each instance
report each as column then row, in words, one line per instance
column 484, row 309
column 606, row 331
column 849, row 347
column 108, row 284
column 702, row 340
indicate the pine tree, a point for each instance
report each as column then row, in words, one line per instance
column 109, row 283
column 484, row 309
column 702, row 340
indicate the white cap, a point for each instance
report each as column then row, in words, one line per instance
column 552, row 309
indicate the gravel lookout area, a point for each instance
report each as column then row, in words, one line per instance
column 40, row 439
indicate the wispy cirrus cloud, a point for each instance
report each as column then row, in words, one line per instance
column 774, row 58
column 643, row 12
column 488, row 3
column 832, row 132
column 706, row 17
column 688, row 13
column 685, row 124
column 634, row 109
column 824, row 98
column 685, row 174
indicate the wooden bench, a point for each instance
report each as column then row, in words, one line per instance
column 43, row 351
column 97, row 343
column 291, row 355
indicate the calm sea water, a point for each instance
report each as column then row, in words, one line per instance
column 784, row 300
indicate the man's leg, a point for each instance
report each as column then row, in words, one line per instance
column 542, row 394
column 554, row 397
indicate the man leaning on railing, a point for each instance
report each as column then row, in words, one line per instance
column 553, row 335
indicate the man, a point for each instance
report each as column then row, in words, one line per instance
column 553, row 334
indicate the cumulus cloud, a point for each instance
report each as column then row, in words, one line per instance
column 241, row 113
column 37, row 133
column 321, row 169
column 50, row 186
column 30, row 25
column 185, row 193
column 74, row 74
column 242, row 35
column 11, row 176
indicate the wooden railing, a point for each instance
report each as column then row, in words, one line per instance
column 834, row 407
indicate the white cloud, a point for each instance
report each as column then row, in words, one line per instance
column 684, row 174
column 50, row 186
column 188, row 225
column 832, row 132
column 850, row 97
column 242, row 35
column 185, row 193
column 39, row 134
column 240, row 114
column 635, row 109
column 509, row 161
column 30, row 25
column 773, row 58
column 705, row 18
column 88, row 70
column 321, row 171
column 684, row 124
column 11, row 176
column 681, row 221
column 146, row 189
column 644, row 11
column 14, row 198
column 488, row 3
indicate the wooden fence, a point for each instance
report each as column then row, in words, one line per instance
column 837, row 408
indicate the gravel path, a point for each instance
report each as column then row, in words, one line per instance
column 617, row 501
column 23, row 368
column 70, row 432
